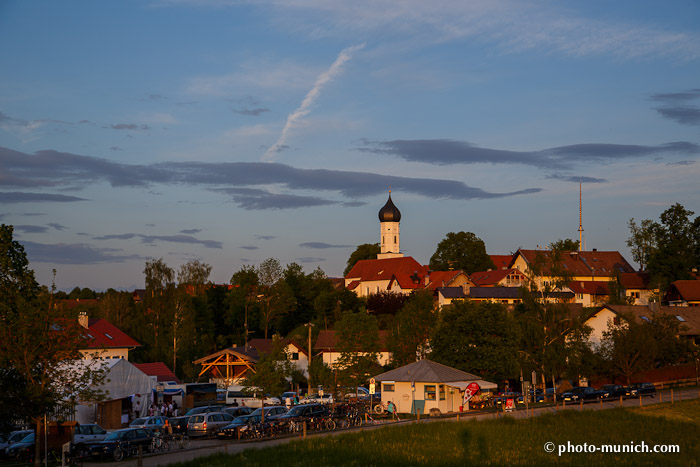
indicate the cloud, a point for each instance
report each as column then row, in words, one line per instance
column 31, row 228
column 75, row 253
column 235, row 179
column 116, row 148
column 681, row 163
column 127, row 126
column 180, row 239
column 190, row 231
column 22, row 197
column 250, row 247
column 449, row 152
column 265, row 237
column 311, row 97
column 677, row 108
column 125, row 236
column 322, row 246
column 57, row 226
column 310, row 259
column 576, row 179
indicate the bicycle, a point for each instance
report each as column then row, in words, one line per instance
column 182, row 441
column 159, row 443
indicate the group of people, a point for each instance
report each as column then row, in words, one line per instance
column 290, row 401
column 169, row 409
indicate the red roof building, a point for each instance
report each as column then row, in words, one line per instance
column 684, row 293
column 158, row 370
column 105, row 340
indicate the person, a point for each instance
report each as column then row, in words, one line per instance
column 296, row 399
column 170, row 409
column 235, row 403
column 167, row 428
column 288, row 402
column 391, row 408
column 137, row 409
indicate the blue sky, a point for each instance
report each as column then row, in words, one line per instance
column 234, row 131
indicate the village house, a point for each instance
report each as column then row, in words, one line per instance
column 327, row 346
column 684, row 293
column 104, row 340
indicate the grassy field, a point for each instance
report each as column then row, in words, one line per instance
column 496, row 442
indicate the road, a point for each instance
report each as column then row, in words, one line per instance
column 201, row 448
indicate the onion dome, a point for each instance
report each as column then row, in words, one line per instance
column 389, row 213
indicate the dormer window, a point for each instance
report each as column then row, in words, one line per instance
column 110, row 337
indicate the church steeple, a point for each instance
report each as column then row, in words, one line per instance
column 389, row 218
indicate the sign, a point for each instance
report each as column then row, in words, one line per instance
column 160, row 387
column 372, row 388
column 372, row 381
column 469, row 391
column 510, row 404
column 534, row 378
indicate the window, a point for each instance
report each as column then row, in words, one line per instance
column 442, row 392
column 429, row 392
column 389, row 388
column 680, row 318
column 109, row 336
column 294, row 356
column 394, row 238
column 646, row 319
column 616, row 321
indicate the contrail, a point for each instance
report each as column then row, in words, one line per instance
column 310, row 98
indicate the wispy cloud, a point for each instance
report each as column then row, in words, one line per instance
column 265, row 237
column 311, row 97
column 74, row 253
column 322, row 245
column 31, row 228
column 310, row 259
column 57, row 226
column 127, row 126
column 676, row 106
column 576, row 178
column 190, row 231
column 180, row 239
column 23, row 197
column 250, row 247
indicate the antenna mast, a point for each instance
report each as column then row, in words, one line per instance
column 580, row 218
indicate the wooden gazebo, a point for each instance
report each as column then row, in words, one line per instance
column 229, row 364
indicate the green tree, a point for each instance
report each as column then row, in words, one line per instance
column 357, row 336
column 160, row 284
column 480, row 338
column 628, row 348
column 461, row 251
column 565, row 245
column 642, row 241
column 39, row 344
column 364, row 251
column 386, row 303
column 246, row 284
column 271, row 371
column 411, row 330
column 674, row 257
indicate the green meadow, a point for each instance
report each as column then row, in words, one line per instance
column 503, row 441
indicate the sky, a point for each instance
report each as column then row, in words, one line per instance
column 235, row 131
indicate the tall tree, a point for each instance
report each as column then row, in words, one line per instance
column 674, row 257
column 364, row 251
column 564, row 245
column 271, row 371
column 246, row 284
column 480, row 338
column 39, row 344
column 461, row 251
column 357, row 336
column 642, row 241
column 160, row 284
column 411, row 330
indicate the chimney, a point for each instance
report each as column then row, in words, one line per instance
column 427, row 279
column 83, row 319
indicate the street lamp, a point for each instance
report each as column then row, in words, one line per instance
column 308, row 366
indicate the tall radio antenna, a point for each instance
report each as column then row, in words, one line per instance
column 580, row 218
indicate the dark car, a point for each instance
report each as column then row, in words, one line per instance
column 535, row 396
column 239, row 423
column 614, row 390
column 503, row 397
column 205, row 409
column 304, row 412
column 24, row 449
column 127, row 440
column 179, row 424
column 583, row 393
column 238, row 411
column 272, row 412
column 641, row 389
column 12, row 438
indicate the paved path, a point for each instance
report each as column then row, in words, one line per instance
column 201, row 448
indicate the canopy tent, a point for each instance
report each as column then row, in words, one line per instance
column 484, row 385
column 123, row 380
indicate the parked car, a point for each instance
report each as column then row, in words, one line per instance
column 535, row 396
column 128, row 439
column 317, row 399
column 87, row 434
column 583, row 393
column 12, row 438
column 272, row 412
column 641, row 389
column 179, row 424
column 304, row 412
column 23, row 449
column 154, row 423
column 242, row 423
column 503, row 396
column 207, row 424
column 551, row 393
column 238, row 411
column 614, row 390
column 205, row 409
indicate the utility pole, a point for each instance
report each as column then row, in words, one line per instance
column 308, row 368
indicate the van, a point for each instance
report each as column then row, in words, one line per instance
column 245, row 397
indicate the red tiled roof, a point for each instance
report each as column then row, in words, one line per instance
column 326, row 341
column 106, row 335
column 158, row 369
column 582, row 263
column 352, row 285
column 491, row 278
column 635, row 280
column 688, row 290
column 590, row 287
column 501, row 261
column 384, row 269
column 689, row 317
column 442, row 278
column 265, row 345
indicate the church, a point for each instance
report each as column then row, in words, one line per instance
column 394, row 272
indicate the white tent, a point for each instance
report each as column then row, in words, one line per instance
column 123, row 380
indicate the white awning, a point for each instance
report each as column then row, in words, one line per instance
column 462, row 385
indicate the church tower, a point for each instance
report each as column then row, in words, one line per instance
column 389, row 218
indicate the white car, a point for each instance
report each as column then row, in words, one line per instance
column 316, row 399
column 84, row 435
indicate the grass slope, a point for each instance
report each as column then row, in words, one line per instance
column 505, row 441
